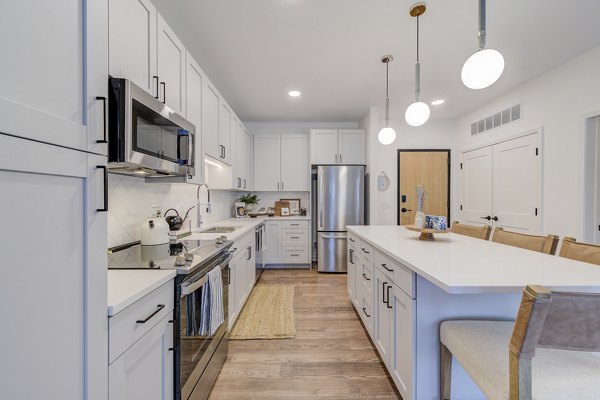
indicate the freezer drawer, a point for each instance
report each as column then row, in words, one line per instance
column 332, row 251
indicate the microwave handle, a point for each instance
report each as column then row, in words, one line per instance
column 187, row 140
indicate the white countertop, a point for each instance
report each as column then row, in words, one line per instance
column 126, row 286
column 461, row 264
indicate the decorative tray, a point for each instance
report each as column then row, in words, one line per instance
column 426, row 233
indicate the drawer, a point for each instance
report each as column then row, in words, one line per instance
column 366, row 251
column 294, row 224
column 293, row 237
column 365, row 278
column 366, row 315
column 353, row 240
column 399, row 274
column 295, row 255
column 123, row 328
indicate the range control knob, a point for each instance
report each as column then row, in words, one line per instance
column 179, row 261
column 152, row 264
column 189, row 257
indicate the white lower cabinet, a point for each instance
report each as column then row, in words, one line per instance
column 383, row 293
column 141, row 348
column 287, row 242
column 242, row 274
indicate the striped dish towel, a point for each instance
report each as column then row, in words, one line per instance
column 217, row 313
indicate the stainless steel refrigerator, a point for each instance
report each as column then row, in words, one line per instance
column 339, row 200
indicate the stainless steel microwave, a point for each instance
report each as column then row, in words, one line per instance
column 146, row 137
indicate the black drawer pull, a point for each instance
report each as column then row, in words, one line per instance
column 103, row 99
column 365, row 311
column 158, row 308
column 384, row 266
column 365, row 276
column 295, row 255
column 105, row 169
column 363, row 249
column 294, row 237
column 352, row 240
column 388, row 296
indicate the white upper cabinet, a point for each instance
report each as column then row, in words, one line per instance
column 210, row 119
column 243, row 165
column 324, row 146
column 351, row 145
column 193, row 112
column 236, row 180
column 171, row 67
column 267, row 168
column 294, row 162
column 249, row 184
column 225, row 123
column 333, row 146
column 47, row 74
column 132, row 42
column 281, row 162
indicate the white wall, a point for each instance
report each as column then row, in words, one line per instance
column 433, row 135
column 560, row 101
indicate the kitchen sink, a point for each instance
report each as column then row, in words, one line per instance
column 220, row 229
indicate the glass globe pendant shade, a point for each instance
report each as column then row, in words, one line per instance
column 417, row 113
column 482, row 69
column 386, row 135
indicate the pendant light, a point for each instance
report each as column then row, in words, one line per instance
column 484, row 67
column 387, row 135
column 418, row 112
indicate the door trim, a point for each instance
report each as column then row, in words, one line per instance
column 400, row 151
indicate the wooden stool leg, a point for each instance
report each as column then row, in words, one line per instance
column 445, row 372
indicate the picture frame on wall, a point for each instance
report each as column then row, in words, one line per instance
column 294, row 206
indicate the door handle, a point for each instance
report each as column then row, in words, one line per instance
column 244, row 184
column 239, row 185
column 388, row 296
column 158, row 308
column 336, row 160
column 404, row 209
column 495, row 218
column 103, row 118
column 385, row 266
column 351, row 254
column 281, row 185
column 155, row 77
column 365, row 311
column 340, row 158
column 249, row 253
column 224, row 152
column 365, row 276
column 383, row 293
column 488, row 218
column 164, row 85
column 105, row 208
column 365, row 251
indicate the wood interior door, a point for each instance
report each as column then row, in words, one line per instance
column 427, row 167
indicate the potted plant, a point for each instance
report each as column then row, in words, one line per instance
column 250, row 200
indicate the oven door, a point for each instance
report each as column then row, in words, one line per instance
column 196, row 346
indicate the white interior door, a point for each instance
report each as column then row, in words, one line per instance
column 517, row 184
column 294, row 162
column 132, row 42
column 477, row 186
column 352, row 146
column 171, row 67
column 267, row 165
column 193, row 112
column 324, row 146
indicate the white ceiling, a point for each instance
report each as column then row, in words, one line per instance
column 257, row 50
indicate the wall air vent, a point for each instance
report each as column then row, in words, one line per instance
column 501, row 118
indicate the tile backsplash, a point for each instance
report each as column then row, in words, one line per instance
column 131, row 200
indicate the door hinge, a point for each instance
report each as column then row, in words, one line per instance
column 536, row 211
column 537, row 151
column 461, row 207
column 460, row 165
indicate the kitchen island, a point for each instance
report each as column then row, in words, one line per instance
column 403, row 288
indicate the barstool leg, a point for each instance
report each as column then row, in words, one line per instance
column 445, row 372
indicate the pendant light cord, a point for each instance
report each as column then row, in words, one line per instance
column 417, row 67
column 387, row 96
column 482, row 24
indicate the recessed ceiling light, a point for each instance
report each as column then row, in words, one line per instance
column 294, row 93
column 437, row 102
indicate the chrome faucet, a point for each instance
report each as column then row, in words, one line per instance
column 198, row 204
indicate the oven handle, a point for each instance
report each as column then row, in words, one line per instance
column 192, row 287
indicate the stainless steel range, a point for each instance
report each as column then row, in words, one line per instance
column 199, row 353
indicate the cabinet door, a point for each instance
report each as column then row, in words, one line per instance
column 225, row 119
column 170, row 55
column 267, row 171
column 294, row 163
column 132, row 42
column 351, row 144
column 145, row 370
column 250, row 267
column 241, row 150
column 250, row 160
column 324, row 146
column 42, row 69
column 402, row 355
column 517, row 184
column 241, row 288
column 477, row 186
column 48, row 185
column 236, row 178
column 194, row 78
column 233, row 278
column 273, row 252
column 382, row 308
column 210, row 121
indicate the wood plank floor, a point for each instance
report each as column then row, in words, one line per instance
column 330, row 358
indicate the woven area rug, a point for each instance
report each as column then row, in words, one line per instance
column 268, row 314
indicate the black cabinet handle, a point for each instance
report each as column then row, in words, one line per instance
column 103, row 99
column 365, row 276
column 495, row 218
column 366, row 252
column 488, row 218
column 164, row 85
column 388, row 296
column 105, row 208
column 351, row 256
column 383, row 293
column 387, row 269
column 365, row 311
column 249, row 253
column 158, row 308
column 224, row 154
column 233, row 250
column 352, row 240
column 155, row 77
